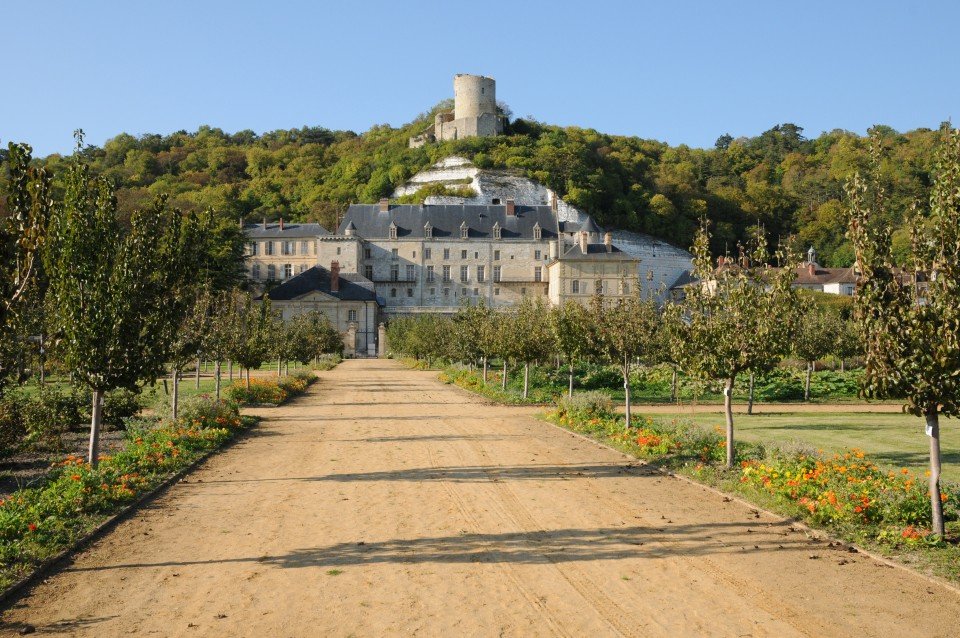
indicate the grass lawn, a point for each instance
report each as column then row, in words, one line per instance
column 894, row 440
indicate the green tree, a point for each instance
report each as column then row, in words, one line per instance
column 530, row 336
column 625, row 332
column 571, row 338
column 115, row 289
column 250, row 345
column 814, row 338
column 22, row 233
column 910, row 323
column 738, row 319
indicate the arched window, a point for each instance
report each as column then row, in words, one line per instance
column 497, row 231
column 393, row 230
column 464, row 231
column 537, row 232
column 428, row 231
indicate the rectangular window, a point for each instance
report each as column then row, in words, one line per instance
column 463, row 292
column 575, row 287
column 368, row 272
column 446, row 292
column 538, row 274
column 523, row 291
column 305, row 247
column 598, row 286
column 446, row 253
column 409, row 292
column 480, row 274
column 411, row 272
column 463, row 254
column 252, row 248
column 287, row 271
column 496, row 292
column 287, row 247
column 338, row 250
column 476, row 255
column 366, row 253
column 271, row 272
column 464, row 273
column 426, row 253
column 476, row 291
column 351, row 315
column 536, row 255
column 496, row 255
column 393, row 292
column 446, row 273
column 394, row 272
column 496, row 273
column 268, row 248
column 394, row 253
column 255, row 271
column 430, row 274
column 433, row 291
column 302, row 268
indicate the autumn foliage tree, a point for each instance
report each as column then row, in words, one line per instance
column 909, row 320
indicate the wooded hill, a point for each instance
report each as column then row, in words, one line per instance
column 783, row 180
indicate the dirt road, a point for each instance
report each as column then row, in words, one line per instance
column 384, row 503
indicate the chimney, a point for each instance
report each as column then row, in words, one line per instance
column 812, row 269
column 721, row 260
column 608, row 241
column 511, row 208
column 584, row 241
column 384, row 205
column 264, row 223
column 334, row 276
column 553, row 201
column 281, row 223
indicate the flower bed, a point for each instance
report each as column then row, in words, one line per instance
column 847, row 494
column 271, row 391
column 40, row 522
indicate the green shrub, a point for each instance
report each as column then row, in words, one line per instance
column 206, row 412
column 328, row 362
column 13, row 430
column 120, row 405
column 585, row 405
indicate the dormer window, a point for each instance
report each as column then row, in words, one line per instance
column 464, row 231
column 428, row 231
column 537, row 232
column 497, row 232
column 393, row 230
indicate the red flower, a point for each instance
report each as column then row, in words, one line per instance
column 32, row 527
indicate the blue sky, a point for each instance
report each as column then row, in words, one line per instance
column 683, row 72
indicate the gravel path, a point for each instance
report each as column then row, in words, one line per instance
column 384, row 503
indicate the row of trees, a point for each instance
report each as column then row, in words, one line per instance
column 118, row 298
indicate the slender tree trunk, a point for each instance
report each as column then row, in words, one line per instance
column 728, row 411
column 526, row 378
column 936, row 505
column 248, row 378
column 216, row 373
column 43, row 377
column 806, row 387
column 93, row 453
column 175, row 394
column 230, row 369
column 286, row 368
column 503, row 381
column 279, row 366
column 570, row 382
column 841, row 365
column 485, row 366
column 626, row 391
column 813, row 365
column 750, row 398
column 673, row 386
column 198, row 374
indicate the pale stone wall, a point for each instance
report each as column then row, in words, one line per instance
column 619, row 279
column 345, row 250
column 516, row 259
column 365, row 318
column 303, row 257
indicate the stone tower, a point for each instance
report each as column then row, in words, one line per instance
column 474, row 112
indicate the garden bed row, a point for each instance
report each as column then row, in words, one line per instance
column 265, row 392
column 41, row 522
column 847, row 494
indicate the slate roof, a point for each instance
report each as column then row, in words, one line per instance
column 445, row 220
column 318, row 278
column 590, row 226
column 597, row 252
column 290, row 231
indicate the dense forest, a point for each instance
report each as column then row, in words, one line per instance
column 790, row 184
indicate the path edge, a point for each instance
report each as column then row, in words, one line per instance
column 22, row 587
